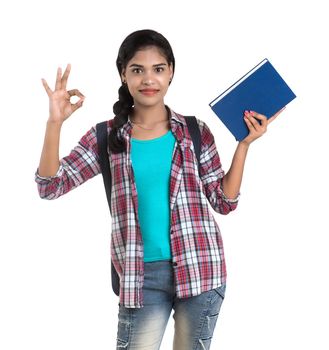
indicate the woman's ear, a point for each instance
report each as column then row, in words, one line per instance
column 171, row 73
column 123, row 77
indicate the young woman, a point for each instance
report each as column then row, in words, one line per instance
column 166, row 245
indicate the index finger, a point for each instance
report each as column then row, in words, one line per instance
column 66, row 75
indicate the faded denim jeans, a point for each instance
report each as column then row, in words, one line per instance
column 195, row 318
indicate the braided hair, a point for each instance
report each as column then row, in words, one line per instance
column 123, row 107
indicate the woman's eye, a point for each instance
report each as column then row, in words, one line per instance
column 139, row 70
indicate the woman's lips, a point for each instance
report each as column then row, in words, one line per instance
column 149, row 92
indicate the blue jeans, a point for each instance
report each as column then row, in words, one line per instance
column 195, row 317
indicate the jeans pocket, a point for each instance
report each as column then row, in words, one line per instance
column 221, row 290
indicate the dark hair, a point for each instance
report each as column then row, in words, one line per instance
column 134, row 42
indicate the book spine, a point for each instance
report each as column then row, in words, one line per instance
column 265, row 60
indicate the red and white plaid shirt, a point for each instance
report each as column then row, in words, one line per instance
column 196, row 243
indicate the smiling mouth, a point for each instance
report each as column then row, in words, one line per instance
column 149, row 92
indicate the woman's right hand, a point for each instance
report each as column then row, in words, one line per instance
column 60, row 106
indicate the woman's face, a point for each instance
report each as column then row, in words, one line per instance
column 148, row 75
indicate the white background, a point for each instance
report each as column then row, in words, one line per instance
column 55, row 255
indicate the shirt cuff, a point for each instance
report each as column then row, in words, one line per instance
column 40, row 178
column 230, row 200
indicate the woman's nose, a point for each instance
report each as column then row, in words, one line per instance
column 148, row 78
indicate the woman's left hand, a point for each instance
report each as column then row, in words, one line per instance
column 257, row 124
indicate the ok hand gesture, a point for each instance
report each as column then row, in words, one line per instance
column 60, row 106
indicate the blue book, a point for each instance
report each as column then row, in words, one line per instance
column 261, row 90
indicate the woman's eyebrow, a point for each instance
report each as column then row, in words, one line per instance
column 141, row 66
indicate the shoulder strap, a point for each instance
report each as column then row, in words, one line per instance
column 195, row 134
column 102, row 136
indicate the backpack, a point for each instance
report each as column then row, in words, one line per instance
column 102, row 137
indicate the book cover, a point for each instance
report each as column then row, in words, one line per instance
column 262, row 90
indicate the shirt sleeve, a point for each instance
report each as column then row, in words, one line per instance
column 79, row 166
column 212, row 173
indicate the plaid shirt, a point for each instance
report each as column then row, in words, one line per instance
column 196, row 243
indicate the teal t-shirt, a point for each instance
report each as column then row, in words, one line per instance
column 151, row 161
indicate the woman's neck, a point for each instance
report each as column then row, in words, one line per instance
column 149, row 115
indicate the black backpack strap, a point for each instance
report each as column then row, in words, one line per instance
column 102, row 137
column 195, row 134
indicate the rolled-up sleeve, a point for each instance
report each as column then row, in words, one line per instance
column 79, row 166
column 212, row 173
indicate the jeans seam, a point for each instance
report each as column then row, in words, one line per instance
column 202, row 323
column 130, row 328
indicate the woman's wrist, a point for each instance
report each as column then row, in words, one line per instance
column 244, row 145
column 54, row 123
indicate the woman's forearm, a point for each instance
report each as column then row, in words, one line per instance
column 232, row 180
column 49, row 161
